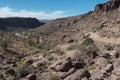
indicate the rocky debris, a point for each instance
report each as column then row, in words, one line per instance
column 106, row 7
column 101, row 62
column 68, row 65
column 70, row 69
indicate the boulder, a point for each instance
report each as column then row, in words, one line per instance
column 78, row 75
column 58, row 68
column 62, row 75
column 78, row 64
column 66, row 65
column 53, row 66
column 72, row 70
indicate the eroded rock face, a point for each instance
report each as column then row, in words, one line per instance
column 106, row 7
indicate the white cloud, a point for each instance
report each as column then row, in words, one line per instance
column 9, row 12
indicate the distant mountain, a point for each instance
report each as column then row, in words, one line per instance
column 19, row 22
column 46, row 21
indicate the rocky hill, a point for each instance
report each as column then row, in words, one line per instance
column 83, row 47
column 17, row 22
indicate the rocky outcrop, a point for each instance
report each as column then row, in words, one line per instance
column 78, row 75
column 106, row 7
column 17, row 22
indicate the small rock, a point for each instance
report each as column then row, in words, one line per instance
column 109, row 68
column 72, row 70
column 10, row 71
column 58, row 68
column 53, row 66
column 62, row 75
column 84, row 79
column 31, row 77
column 71, row 41
column 102, row 62
column 117, row 63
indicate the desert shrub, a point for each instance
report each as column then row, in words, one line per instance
column 44, row 47
column 31, row 43
column 88, row 41
column 87, row 47
column 43, row 79
column 5, row 42
column 47, row 33
column 83, row 47
column 23, row 70
column 60, row 52
column 42, row 67
column 90, row 67
column 92, row 48
column 54, row 77
column 10, row 78
column 72, row 47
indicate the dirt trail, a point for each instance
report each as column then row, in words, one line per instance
column 96, row 37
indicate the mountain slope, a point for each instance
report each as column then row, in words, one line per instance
column 16, row 22
column 83, row 47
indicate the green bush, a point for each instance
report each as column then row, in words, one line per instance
column 47, row 33
column 73, row 47
column 83, row 47
column 5, row 42
column 23, row 70
column 90, row 67
column 31, row 43
column 44, row 47
column 42, row 67
column 54, row 77
column 60, row 52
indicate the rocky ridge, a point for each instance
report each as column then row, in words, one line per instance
column 106, row 7
column 17, row 22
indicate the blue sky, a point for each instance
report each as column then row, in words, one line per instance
column 46, row 9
